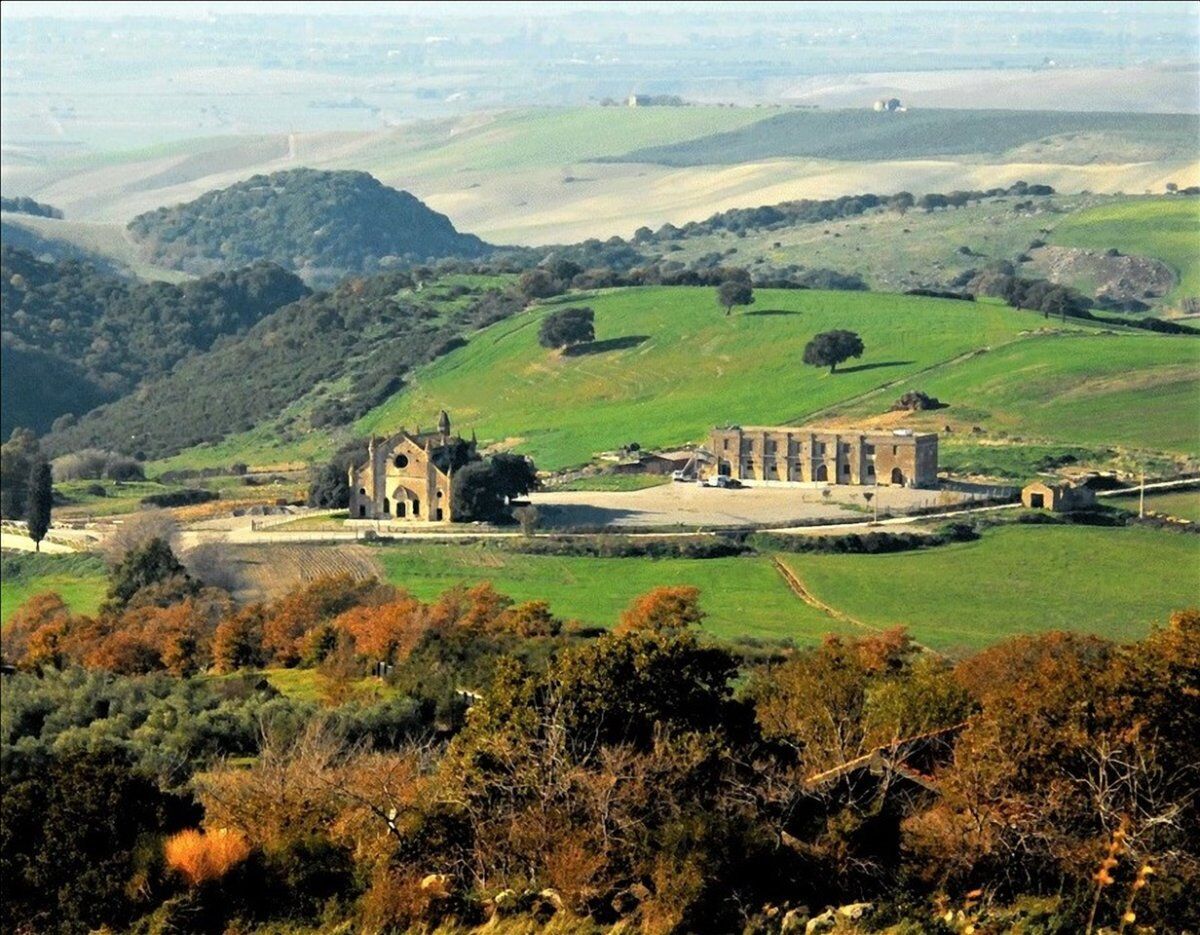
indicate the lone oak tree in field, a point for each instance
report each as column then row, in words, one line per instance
column 830, row 348
column 567, row 327
column 734, row 292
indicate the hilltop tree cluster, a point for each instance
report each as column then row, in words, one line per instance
column 322, row 225
column 27, row 205
column 644, row 775
column 813, row 211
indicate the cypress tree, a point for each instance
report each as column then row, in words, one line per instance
column 40, row 501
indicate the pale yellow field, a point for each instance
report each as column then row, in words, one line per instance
column 523, row 177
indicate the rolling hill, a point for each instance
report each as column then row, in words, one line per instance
column 316, row 362
column 532, row 176
column 865, row 135
column 1167, row 229
column 666, row 366
column 320, row 224
column 1141, row 390
column 76, row 336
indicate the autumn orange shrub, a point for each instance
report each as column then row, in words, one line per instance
column 385, row 632
column 290, row 619
column 533, row 618
column 475, row 608
column 31, row 637
column 202, row 856
column 660, row 608
column 237, row 641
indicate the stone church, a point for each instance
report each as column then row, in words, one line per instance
column 408, row 477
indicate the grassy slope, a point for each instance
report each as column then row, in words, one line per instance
column 1184, row 504
column 693, row 367
column 861, row 134
column 1092, row 389
column 697, row 368
column 742, row 596
column 79, row 580
column 551, row 137
column 890, row 252
column 1167, row 229
column 1116, row 582
column 106, row 240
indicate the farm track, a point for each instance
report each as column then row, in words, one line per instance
column 891, row 384
column 797, row 587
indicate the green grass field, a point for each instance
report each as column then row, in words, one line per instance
column 123, row 497
column 862, row 134
column 1183, row 504
column 1115, row 582
column 1140, row 390
column 79, row 579
column 743, row 597
column 1166, row 229
column 668, row 365
column 552, row 137
column 617, row 482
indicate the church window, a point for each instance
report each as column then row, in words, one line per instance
column 401, row 461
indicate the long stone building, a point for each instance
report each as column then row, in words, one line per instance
column 787, row 454
column 409, row 476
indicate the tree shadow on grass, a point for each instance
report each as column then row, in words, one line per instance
column 609, row 344
column 770, row 311
column 882, row 363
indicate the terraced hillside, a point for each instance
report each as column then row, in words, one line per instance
column 667, row 365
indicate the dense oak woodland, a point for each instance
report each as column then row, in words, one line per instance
column 74, row 336
column 367, row 333
column 513, row 764
column 323, row 225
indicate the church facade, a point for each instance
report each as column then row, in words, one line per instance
column 408, row 477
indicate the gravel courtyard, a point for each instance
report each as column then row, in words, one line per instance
column 692, row 505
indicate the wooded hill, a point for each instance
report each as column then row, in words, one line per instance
column 320, row 224
column 75, row 337
column 340, row 352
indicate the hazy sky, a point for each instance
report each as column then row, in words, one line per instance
column 202, row 8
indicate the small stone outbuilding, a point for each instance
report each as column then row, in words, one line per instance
column 1064, row 497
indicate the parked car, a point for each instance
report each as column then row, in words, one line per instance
column 720, row 480
column 680, row 476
